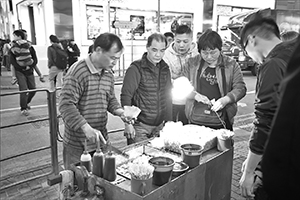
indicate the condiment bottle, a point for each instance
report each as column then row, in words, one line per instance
column 98, row 161
column 109, row 171
column 86, row 159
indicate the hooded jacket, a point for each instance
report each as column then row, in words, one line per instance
column 177, row 63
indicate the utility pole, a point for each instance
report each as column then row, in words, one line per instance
column 158, row 17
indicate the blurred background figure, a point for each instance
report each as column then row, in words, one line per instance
column 73, row 52
column 170, row 38
column 198, row 35
column 91, row 48
column 57, row 62
column 5, row 50
column 289, row 35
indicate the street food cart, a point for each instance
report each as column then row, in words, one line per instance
column 211, row 179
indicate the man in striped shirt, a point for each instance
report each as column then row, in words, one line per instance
column 86, row 96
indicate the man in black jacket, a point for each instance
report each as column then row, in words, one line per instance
column 280, row 165
column 73, row 52
column 260, row 39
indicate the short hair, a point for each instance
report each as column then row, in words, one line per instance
column 169, row 34
column 54, row 39
column 19, row 33
column 209, row 39
column 158, row 37
column 183, row 29
column 265, row 28
column 106, row 41
column 289, row 35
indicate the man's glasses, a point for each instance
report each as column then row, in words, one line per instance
column 212, row 53
column 245, row 45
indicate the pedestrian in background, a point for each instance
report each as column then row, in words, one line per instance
column 176, row 57
column 57, row 62
column 147, row 85
column 91, row 47
column 215, row 77
column 6, row 60
column 23, row 75
column 170, row 38
column 260, row 39
column 86, row 96
column 73, row 52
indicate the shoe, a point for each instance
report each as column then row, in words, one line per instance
column 28, row 107
column 25, row 112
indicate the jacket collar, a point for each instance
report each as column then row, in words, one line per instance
column 150, row 65
column 93, row 69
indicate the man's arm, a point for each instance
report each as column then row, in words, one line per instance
column 70, row 95
column 130, row 85
column 34, row 57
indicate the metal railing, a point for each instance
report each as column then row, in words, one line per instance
column 53, row 128
column 53, row 131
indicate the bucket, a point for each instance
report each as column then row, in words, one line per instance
column 163, row 167
column 141, row 187
column 191, row 154
column 224, row 143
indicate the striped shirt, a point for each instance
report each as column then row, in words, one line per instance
column 86, row 96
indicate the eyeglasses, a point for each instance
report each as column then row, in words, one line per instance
column 245, row 45
column 212, row 53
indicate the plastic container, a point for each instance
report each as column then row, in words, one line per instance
column 86, row 160
column 163, row 167
column 179, row 168
column 191, row 154
column 98, row 163
column 109, row 170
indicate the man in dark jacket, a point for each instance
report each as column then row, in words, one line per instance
column 280, row 165
column 260, row 38
column 147, row 85
column 73, row 52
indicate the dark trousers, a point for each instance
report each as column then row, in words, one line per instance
column 26, row 82
column 179, row 114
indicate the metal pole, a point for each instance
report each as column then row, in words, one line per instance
column 108, row 13
column 132, row 44
column 158, row 17
column 53, row 126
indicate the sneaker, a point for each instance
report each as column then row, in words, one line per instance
column 28, row 107
column 25, row 112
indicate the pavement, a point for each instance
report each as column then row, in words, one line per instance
column 38, row 189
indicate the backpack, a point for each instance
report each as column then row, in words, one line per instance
column 61, row 61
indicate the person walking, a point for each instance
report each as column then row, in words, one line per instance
column 147, row 85
column 86, row 96
column 176, row 56
column 73, row 52
column 23, row 75
column 260, row 39
column 218, row 83
column 57, row 62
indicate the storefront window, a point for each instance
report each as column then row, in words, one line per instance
column 95, row 20
column 63, row 19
